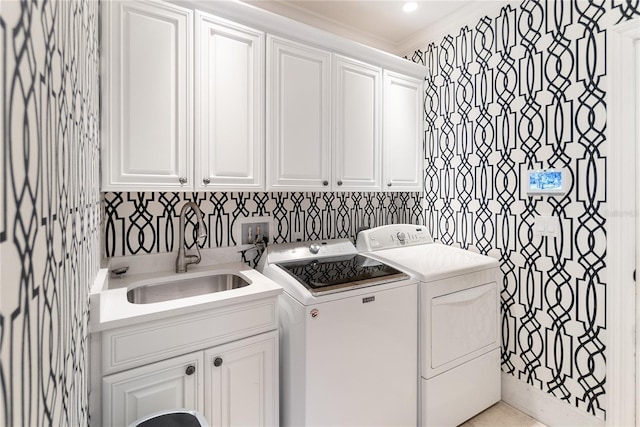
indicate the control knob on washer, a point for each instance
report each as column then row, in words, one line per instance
column 314, row 248
column 401, row 236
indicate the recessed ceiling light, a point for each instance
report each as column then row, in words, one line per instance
column 410, row 6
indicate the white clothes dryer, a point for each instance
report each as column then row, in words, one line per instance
column 459, row 335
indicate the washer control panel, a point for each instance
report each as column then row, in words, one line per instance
column 392, row 236
column 308, row 250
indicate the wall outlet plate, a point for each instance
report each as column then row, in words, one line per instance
column 249, row 230
column 253, row 232
column 546, row 226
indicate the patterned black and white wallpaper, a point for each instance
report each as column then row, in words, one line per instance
column 49, row 208
column 525, row 89
column 143, row 223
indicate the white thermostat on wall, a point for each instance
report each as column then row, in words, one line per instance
column 547, row 181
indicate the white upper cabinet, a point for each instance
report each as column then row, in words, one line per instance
column 147, row 79
column 148, row 142
column 229, row 96
column 195, row 102
column 403, row 133
column 362, row 146
column 357, row 125
column 298, row 116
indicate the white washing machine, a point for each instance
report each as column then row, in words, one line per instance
column 459, row 335
column 348, row 336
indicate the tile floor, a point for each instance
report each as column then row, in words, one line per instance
column 502, row 415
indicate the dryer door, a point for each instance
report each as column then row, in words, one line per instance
column 460, row 325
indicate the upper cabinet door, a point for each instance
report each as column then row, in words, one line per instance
column 148, row 57
column 229, row 105
column 298, row 116
column 403, row 132
column 357, row 125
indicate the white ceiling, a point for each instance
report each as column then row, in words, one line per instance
column 382, row 23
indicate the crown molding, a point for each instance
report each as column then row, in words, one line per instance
column 324, row 23
column 452, row 24
column 278, row 25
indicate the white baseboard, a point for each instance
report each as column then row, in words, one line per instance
column 543, row 406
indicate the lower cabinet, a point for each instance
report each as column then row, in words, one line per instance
column 242, row 381
column 231, row 384
column 173, row 383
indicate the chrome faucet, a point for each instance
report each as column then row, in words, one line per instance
column 183, row 260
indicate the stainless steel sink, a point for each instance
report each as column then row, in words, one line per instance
column 176, row 288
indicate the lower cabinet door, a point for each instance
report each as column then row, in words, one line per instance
column 242, row 381
column 166, row 385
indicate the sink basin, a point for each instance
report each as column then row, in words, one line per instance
column 176, row 288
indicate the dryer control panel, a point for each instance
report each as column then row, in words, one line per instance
column 392, row 236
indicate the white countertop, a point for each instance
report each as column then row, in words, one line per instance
column 110, row 309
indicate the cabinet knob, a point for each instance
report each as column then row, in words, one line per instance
column 217, row 361
column 190, row 370
column 325, row 183
column 389, row 184
column 206, row 181
column 182, row 180
column 339, row 183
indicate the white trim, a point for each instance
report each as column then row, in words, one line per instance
column 294, row 11
column 452, row 23
column 466, row 13
column 104, row 86
column 2, row 135
column 621, row 224
column 543, row 406
column 281, row 26
column 637, row 78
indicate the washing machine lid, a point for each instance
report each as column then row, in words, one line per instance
column 340, row 273
column 435, row 261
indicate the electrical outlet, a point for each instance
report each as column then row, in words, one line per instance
column 254, row 232
column 546, row 226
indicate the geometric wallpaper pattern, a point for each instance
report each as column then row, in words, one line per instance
column 49, row 208
column 526, row 90
column 142, row 223
column 519, row 90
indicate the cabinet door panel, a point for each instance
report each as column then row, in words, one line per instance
column 403, row 133
column 132, row 394
column 357, row 125
column 229, row 104
column 298, row 120
column 148, row 54
column 244, row 387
